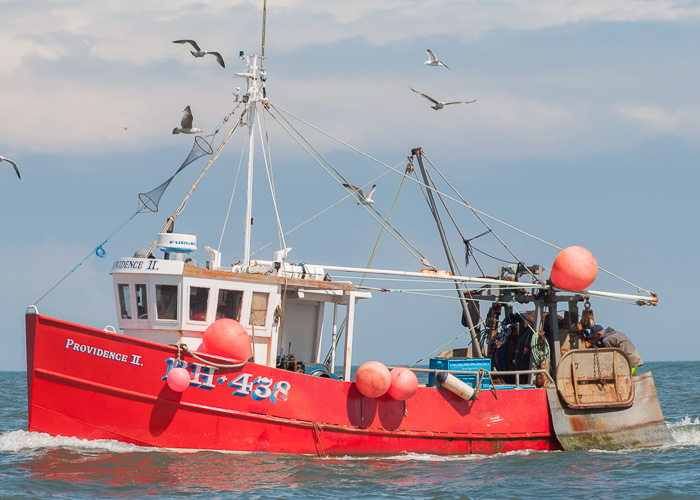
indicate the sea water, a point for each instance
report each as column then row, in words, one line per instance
column 36, row 465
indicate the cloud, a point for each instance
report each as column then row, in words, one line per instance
column 77, row 75
column 655, row 117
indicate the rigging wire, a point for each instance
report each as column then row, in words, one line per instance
column 467, row 311
column 458, row 201
column 99, row 251
column 472, row 247
column 230, row 202
column 389, row 217
column 213, row 158
column 371, row 210
column 439, row 349
column 394, row 202
column 320, row 213
column 268, row 170
column 478, row 216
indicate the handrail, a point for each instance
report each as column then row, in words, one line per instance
column 491, row 373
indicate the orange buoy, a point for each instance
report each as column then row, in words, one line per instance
column 404, row 383
column 178, row 379
column 228, row 338
column 373, row 379
column 575, row 269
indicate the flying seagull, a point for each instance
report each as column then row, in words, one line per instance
column 186, row 124
column 197, row 52
column 433, row 60
column 2, row 158
column 363, row 200
column 439, row 104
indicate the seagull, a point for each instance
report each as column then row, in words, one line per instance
column 197, row 52
column 2, row 158
column 186, row 124
column 363, row 200
column 433, row 60
column 439, row 104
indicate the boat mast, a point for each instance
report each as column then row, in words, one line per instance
column 418, row 153
column 255, row 77
column 249, row 192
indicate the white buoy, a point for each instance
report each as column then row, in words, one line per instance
column 453, row 384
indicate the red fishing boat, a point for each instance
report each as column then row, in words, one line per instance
column 527, row 382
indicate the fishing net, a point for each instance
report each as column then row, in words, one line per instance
column 150, row 199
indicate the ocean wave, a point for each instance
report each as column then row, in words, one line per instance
column 686, row 432
column 426, row 457
column 24, row 441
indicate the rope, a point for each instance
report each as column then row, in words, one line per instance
column 206, row 362
column 481, row 373
column 317, row 431
column 99, row 251
column 468, row 247
column 539, row 347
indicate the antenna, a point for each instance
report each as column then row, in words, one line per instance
column 263, row 26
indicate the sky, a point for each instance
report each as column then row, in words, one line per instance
column 585, row 131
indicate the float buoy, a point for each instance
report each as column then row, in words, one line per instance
column 574, row 269
column 404, row 383
column 227, row 338
column 456, row 386
column 178, row 379
column 373, row 379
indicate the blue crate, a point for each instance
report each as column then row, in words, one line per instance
column 522, row 386
column 461, row 364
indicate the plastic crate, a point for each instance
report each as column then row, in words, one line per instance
column 461, row 364
column 522, row 386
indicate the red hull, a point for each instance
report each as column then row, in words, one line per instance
column 112, row 387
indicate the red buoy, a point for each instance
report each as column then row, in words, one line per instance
column 178, row 379
column 227, row 338
column 373, row 379
column 574, row 269
column 404, row 383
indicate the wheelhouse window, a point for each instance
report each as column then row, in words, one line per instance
column 199, row 298
column 258, row 308
column 228, row 304
column 124, row 301
column 141, row 302
column 166, row 301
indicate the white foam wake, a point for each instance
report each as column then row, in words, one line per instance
column 686, row 432
column 23, row 441
column 424, row 457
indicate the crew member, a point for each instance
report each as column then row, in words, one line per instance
column 608, row 337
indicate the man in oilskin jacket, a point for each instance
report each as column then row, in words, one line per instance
column 609, row 337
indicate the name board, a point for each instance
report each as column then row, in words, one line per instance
column 134, row 265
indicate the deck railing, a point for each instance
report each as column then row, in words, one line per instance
column 517, row 373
